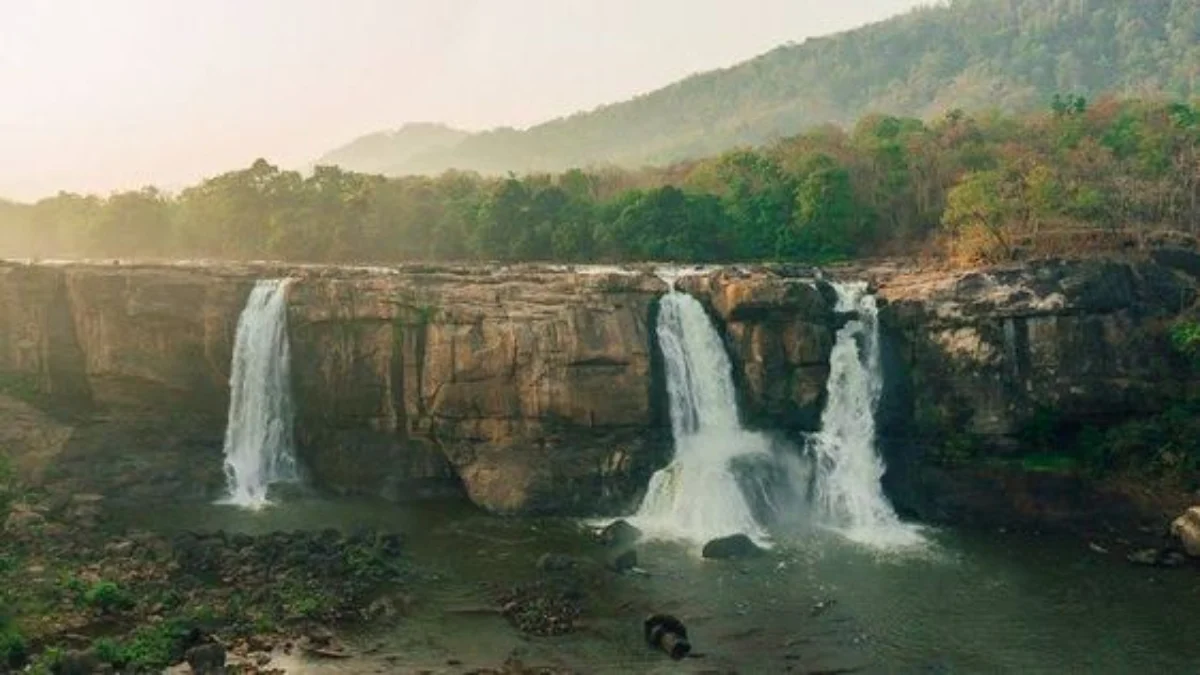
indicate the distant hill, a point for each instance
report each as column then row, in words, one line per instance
column 969, row 54
column 392, row 151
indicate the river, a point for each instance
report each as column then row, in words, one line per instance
column 966, row 603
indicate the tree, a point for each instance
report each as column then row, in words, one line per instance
column 978, row 212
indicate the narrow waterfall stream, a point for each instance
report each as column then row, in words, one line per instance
column 848, row 495
column 258, row 435
column 697, row 497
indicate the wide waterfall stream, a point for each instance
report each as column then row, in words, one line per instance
column 850, row 594
column 698, row 497
column 716, row 478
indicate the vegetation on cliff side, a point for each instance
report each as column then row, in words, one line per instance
column 981, row 188
column 1010, row 55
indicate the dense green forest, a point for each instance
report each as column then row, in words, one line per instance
column 977, row 188
column 1010, row 55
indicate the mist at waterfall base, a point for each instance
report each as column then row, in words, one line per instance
column 258, row 434
column 725, row 479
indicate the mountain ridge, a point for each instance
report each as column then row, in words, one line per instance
column 1011, row 55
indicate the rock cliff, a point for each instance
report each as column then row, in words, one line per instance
column 1007, row 363
column 990, row 360
column 530, row 387
column 538, row 389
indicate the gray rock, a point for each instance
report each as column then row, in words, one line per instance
column 619, row 533
column 77, row 662
column 623, row 561
column 730, row 548
column 206, row 659
column 1147, row 557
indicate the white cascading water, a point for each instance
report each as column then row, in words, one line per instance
column 697, row 497
column 847, row 494
column 258, row 436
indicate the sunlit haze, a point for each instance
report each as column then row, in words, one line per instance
column 118, row 94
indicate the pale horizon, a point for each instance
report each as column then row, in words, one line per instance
column 118, row 95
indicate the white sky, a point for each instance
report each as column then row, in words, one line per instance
column 98, row 95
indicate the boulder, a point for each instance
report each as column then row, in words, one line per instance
column 730, row 548
column 618, row 533
column 665, row 632
column 1147, row 557
column 206, row 659
column 624, row 561
column 77, row 662
column 1187, row 529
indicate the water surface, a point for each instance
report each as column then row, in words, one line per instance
column 967, row 603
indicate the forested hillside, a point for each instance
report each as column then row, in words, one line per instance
column 967, row 54
column 971, row 187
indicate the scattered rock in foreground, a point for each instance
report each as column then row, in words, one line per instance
column 665, row 632
column 206, row 659
column 1187, row 529
column 1153, row 557
column 731, row 548
column 543, row 607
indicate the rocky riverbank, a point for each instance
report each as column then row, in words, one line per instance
column 82, row 596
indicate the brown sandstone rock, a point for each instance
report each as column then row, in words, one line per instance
column 1187, row 529
column 780, row 332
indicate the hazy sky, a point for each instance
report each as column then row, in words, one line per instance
column 97, row 95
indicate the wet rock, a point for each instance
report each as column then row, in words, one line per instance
column 665, row 632
column 619, row 533
column 730, row 548
column 206, row 659
column 1186, row 528
column 555, row 562
column 821, row 607
column 319, row 636
column 623, row 561
column 1147, row 557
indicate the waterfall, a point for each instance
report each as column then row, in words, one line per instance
column 698, row 496
column 258, row 435
column 847, row 493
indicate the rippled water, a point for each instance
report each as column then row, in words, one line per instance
column 972, row 603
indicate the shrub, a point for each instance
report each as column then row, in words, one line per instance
column 152, row 648
column 109, row 651
column 107, row 597
column 14, row 652
column 1185, row 337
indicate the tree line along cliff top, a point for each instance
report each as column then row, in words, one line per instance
column 1077, row 175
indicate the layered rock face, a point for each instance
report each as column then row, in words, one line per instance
column 988, row 359
column 987, row 351
column 538, row 389
column 1003, row 359
column 531, row 387
column 779, row 327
